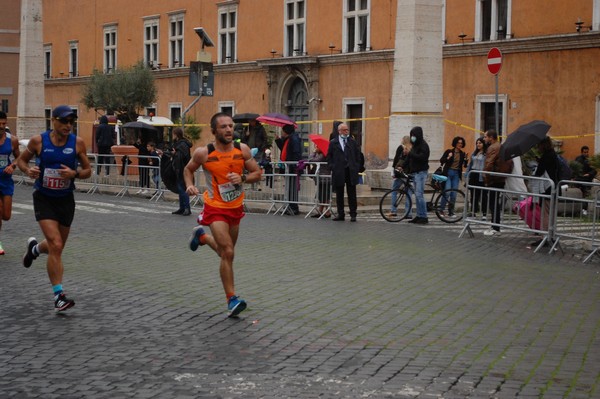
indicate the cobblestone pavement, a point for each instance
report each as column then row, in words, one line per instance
column 336, row 310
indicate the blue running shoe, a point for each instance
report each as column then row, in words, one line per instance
column 235, row 306
column 197, row 232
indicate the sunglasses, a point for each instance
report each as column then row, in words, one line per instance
column 67, row 121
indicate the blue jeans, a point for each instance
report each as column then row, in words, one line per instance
column 420, row 179
column 452, row 182
column 393, row 209
column 184, row 198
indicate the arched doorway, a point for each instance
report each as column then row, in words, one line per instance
column 297, row 109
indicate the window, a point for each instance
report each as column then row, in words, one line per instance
column 485, row 113
column 151, row 42
column 175, row 112
column 48, row 117
column 295, row 20
column 176, row 41
column 354, row 108
column 227, row 34
column 357, row 23
column 4, row 106
column 110, row 48
column 73, row 58
column 47, row 61
column 227, row 107
column 493, row 20
column 151, row 111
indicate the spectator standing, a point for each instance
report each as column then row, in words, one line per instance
column 59, row 151
column 397, row 167
column 224, row 164
column 9, row 145
column 143, row 166
column 418, row 165
column 587, row 172
column 105, row 136
column 494, row 163
column 154, row 163
column 267, row 165
column 255, row 136
column 181, row 156
column 453, row 160
column 323, row 183
column 547, row 167
column 344, row 160
column 291, row 151
column 477, row 163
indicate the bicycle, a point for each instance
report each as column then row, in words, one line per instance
column 402, row 200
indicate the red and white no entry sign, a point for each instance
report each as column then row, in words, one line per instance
column 494, row 61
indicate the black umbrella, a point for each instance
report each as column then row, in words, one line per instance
column 523, row 139
column 245, row 117
column 138, row 125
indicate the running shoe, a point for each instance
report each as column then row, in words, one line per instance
column 235, row 306
column 197, row 232
column 29, row 257
column 62, row 303
column 1, row 249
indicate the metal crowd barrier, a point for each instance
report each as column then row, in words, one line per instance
column 516, row 208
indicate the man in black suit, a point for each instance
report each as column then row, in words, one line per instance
column 344, row 160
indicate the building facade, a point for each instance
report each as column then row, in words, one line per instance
column 319, row 61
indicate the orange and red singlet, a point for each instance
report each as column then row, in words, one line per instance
column 221, row 193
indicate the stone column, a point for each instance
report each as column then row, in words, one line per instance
column 30, row 106
column 417, row 82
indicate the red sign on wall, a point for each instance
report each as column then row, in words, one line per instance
column 494, row 61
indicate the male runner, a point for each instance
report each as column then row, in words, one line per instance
column 9, row 144
column 224, row 163
column 58, row 151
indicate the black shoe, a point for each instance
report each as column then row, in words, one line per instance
column 186, row 212
column 316, row 215
column 353, row 218
column 62, row 303
column 338, row 219
column 422, row 221
column 178, row 212
column 414, row 220
column 29, row 257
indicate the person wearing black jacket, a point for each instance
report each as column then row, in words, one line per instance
column 291, row 150
column 418, row 165
column 344, row 159
column 181, row 156
column 105, row 134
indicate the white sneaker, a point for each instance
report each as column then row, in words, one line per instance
column 584, row 212
column 138, row 192
column 491, row 232
column 144, row 192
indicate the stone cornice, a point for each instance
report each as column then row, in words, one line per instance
column 525, row 45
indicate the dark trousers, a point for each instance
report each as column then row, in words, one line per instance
column 495, row 205
column 339, row 196
column 103, row 159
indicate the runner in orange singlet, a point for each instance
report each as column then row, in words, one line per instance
column 227, row 167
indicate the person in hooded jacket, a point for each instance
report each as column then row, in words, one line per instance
column 453, row 161
column 181, row 157
column 105, row 134
column 417, row 163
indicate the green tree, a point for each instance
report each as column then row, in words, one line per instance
column 123, row 92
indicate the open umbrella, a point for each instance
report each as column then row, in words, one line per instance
column 138, row 125
column 321, row 142
column 276, row 119
column 244, row 117
column 523, row 139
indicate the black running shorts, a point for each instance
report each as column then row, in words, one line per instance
column 61, row 209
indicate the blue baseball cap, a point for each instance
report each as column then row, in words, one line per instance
column 63, row 111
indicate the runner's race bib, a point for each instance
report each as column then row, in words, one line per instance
column 229, row 191
column 3, row 160
column 53, row 180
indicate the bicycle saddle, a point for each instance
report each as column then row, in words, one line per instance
column 440, row 178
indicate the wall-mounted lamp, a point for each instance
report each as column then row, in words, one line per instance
column 463, row 37
column 579, row 26
column 273, row 52
column 332, row 49
column 317, row 99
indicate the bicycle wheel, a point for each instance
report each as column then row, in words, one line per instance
column 402, row 202
column 456, row 201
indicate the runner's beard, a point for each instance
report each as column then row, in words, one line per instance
column 223, row 140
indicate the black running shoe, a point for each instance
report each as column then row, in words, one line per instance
column 29, row 257
column 62, row 303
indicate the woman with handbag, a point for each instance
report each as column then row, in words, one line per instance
column 397, row 164
column 453, row 161
column 478, row 197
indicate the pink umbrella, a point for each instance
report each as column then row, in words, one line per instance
column 276, row 119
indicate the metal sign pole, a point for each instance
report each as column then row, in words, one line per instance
column 497, row 108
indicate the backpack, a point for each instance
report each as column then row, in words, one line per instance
column 564, row 170
column 167, row 173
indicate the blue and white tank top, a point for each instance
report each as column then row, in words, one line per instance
column 51, row 158
column 5, row 152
